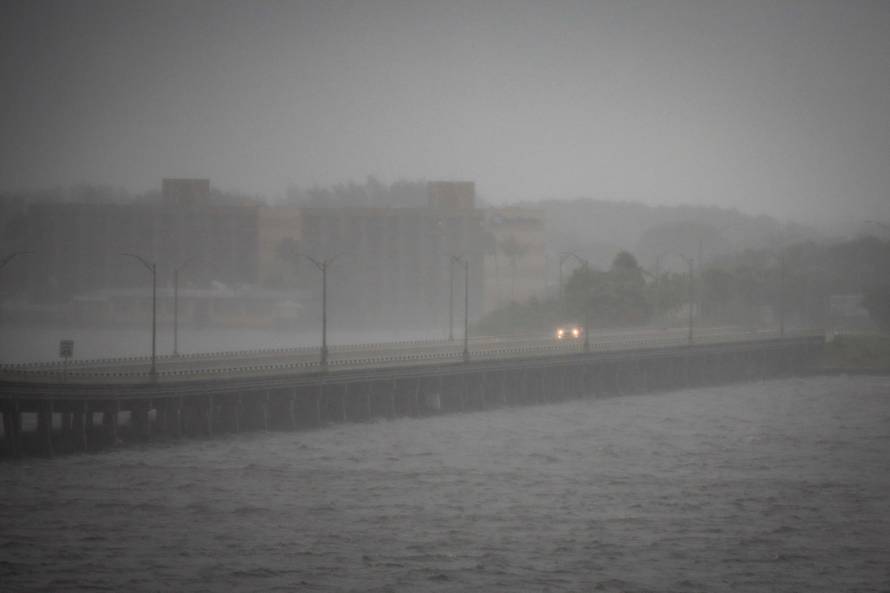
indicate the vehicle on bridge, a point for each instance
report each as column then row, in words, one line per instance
column 569, row 331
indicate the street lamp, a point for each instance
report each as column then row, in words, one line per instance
column 458, row 259
column 780, row 257
column 152, row 267
column 691, row 263
column 322, row 265
column 452, row 259
column 586, row 265
column 176, row 304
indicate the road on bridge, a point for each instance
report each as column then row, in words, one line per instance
column 295, row 360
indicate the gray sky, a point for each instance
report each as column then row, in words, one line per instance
column 780, row 107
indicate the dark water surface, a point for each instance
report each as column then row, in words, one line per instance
column 774, row 486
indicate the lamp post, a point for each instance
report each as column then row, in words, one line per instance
column 152, row 267
column 176, row 305
column 586, row 263
column 466, row 311
column 780, row 257
column 452, row 259
column 691, row 264
column 701, row 257
column 458, row 259
column 322, row 265
column 781, row 296
column 586, row 311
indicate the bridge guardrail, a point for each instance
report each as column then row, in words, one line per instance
column 456, row 356
column 341, row 348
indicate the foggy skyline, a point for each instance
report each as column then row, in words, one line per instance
column 776, row 108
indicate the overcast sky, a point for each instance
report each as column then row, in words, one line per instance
column 777, row 107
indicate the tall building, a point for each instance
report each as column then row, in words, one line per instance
column 279, row 231
column 517, row 268
column 77, row 245
column 392, row 266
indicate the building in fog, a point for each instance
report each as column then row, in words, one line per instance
column 517, row 268
column 279, row 230
column 77, row 245
column 392, row 268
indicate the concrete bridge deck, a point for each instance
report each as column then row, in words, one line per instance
column 45, row 415
column 200, row 366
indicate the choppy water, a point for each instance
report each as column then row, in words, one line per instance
column 776, row 486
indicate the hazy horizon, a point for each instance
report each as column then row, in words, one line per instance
column 770, row 108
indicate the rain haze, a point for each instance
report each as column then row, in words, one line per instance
column 774, row 108
column 445, row 296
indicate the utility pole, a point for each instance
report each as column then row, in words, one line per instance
column 781, row 295
column 466, row 311
column 176, row 305
column 152, row 267
column 691, row 264
column 322, row 265
column 451, row 262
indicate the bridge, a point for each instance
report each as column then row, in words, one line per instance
column 54, row 408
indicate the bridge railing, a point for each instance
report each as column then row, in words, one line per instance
column 492, row 352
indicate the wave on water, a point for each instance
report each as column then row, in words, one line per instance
column 776, row 486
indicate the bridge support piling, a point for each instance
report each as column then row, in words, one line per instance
column 162, row 416
column 66, row 426
column 236, row 410
column 45, row 427
column 110, row 421
column 89, row 422
column 417, row 397
column 369, row 395
column 264, row 410
column 393, row 390
column 12, row 428
column 139, row 425
column 79, row 427
column 209, row 410
column 177, row 416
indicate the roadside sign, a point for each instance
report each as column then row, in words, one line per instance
column 66, row 348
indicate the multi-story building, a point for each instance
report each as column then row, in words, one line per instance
column 517, row 269
column 392, row 266
column 279, row 231
column 78, row 245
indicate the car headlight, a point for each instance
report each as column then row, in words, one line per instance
column 576, row 332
